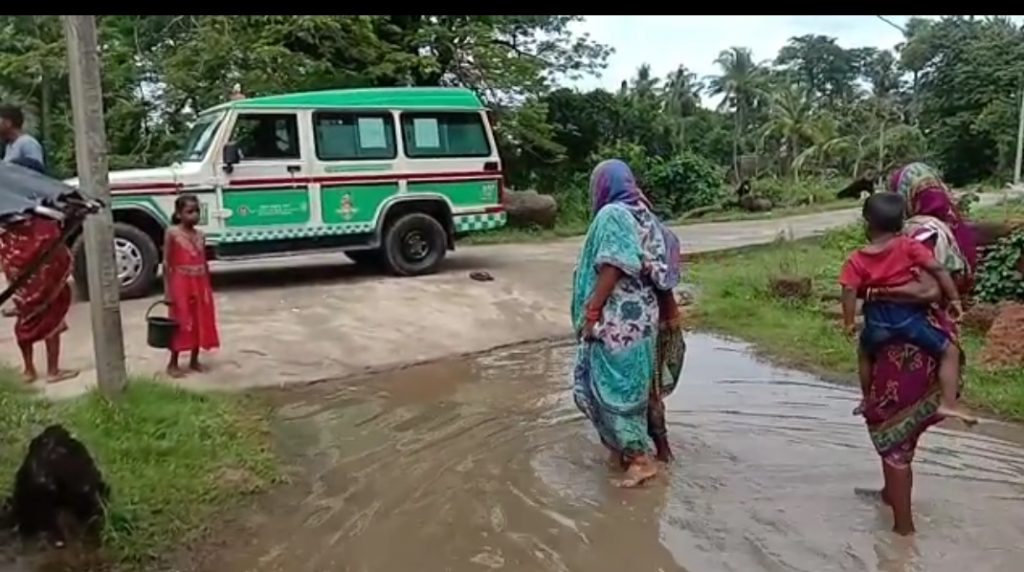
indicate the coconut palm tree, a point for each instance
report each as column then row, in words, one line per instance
column 645, row 85
column 738, row 84
column 682, row 98
column 792, row 123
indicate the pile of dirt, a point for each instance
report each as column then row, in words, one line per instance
column 1004, row 344
column 791, row 287
column 979, row 318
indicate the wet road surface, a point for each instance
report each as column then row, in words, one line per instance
column 485, row 464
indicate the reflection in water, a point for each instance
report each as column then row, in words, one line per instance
column 486, row 464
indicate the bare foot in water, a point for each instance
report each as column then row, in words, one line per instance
column 29, row 376
column 907, row 530
column 61, row 375
column 956, row 413
column 663, row 452
column 175, row 372
column 639, row 472
column 665, row 456
column 616, row 461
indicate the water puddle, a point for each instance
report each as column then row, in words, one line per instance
column 485, row 464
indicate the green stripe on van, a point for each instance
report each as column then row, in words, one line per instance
column 460, row 193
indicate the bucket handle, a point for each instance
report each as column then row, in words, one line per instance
column 155, row 304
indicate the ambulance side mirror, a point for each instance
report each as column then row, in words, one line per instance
column 231, row 156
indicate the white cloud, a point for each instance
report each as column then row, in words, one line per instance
column 664, row 42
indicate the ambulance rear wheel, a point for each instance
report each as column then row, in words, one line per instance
column 414, row 245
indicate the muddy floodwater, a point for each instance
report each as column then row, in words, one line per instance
column 485, row 464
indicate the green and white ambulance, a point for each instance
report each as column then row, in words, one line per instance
column 390, row 176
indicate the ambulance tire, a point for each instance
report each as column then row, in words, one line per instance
column 415, row 244
column 137, row 259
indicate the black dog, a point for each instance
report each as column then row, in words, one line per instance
column 58, row 478
column 863, row 184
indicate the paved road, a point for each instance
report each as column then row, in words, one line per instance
column 315, row 317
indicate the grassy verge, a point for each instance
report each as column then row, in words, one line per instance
column 510, row 235
column 1012, row 209
column 172, row 458
column 729, row 216
column 570, row 229
column 734, row 299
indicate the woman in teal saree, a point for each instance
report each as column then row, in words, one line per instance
column 630, row 347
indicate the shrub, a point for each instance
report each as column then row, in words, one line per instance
column 675, row 185
column 633, row 154
column 574, row 201
column 999, row 278
column 682, row 183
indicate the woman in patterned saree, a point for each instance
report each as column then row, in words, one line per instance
column 630, row 349
column 905, row 390
column 41, row 304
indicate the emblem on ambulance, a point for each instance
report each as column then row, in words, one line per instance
column 488, row 192
column 346, row 210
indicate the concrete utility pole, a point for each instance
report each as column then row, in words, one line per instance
column 91, row 158
column 1020, row 139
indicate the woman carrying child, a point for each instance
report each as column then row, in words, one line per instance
column 893, row 259
column 904, row 394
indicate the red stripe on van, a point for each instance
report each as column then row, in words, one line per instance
column 170, row 187
column 463, row 175
column 145, row 186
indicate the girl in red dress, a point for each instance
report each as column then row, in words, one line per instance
column 187, row 286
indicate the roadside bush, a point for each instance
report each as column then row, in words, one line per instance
column 675, row 185
column 682, row 183
column 999, row 277
column 633, row 154
column 574, row 201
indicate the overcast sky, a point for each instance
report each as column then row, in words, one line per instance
column 664, row 42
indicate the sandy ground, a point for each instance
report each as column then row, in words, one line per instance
column 316, row 317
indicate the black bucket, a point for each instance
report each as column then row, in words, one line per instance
column 159, row 330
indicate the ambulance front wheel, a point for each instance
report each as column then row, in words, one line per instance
column 136, row 259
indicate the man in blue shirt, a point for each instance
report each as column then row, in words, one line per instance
column 18, row 144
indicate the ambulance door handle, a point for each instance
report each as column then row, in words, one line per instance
column 294, row 168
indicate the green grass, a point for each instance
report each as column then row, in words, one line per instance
column 1012, row 209
column 734, row 299
column 734, row 215
column 509, row 235
column 172, row 458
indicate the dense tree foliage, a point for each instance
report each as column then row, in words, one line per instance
column 948, row 94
